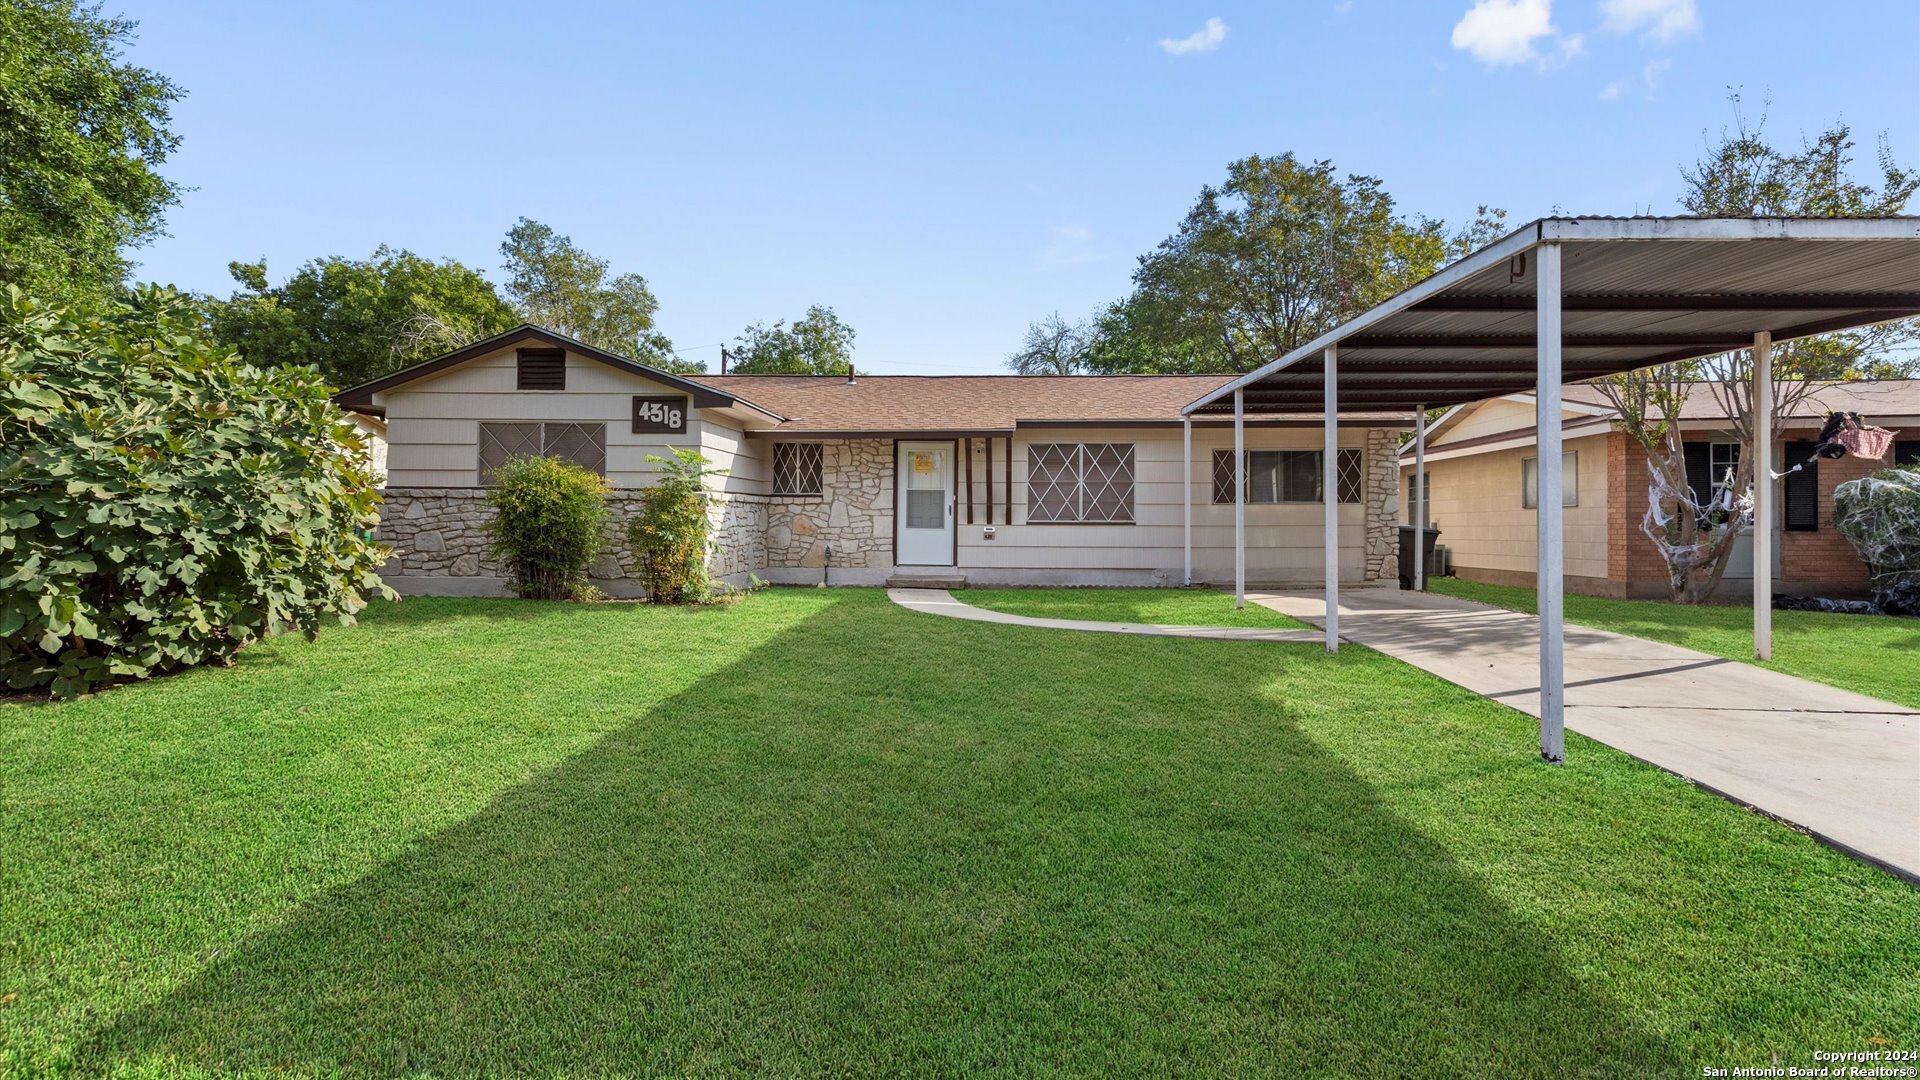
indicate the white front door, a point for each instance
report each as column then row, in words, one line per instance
column 924, row 507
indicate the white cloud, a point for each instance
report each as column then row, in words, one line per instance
column 1503, row 31
column 1610, row 92
column 1662, row 20
column 1204, row 40
column 1072, row 244
column 1344, row 7
column 1651, row 74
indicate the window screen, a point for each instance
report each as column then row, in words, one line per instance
column 1080, row 482
column 583, row 444
column 796, row 468
column 543, row 369
column 1569, row 481
column 1290, row 476
column 1800, row 491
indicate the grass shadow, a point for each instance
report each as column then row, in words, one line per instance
column 881, row 843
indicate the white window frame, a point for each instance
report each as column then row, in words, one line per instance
column 816, row 459
column 1076, row 513
column 1569, row 480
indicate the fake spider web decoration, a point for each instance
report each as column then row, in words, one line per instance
column 1880, row 516
column 1723, row 514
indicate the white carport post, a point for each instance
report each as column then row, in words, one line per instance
column 1420, row 498
column 1548, row 562
column 1330, row 490
column 1763, row 496
column 1186, row 500
column 1239, row 499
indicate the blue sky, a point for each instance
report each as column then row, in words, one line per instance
column 943, row 174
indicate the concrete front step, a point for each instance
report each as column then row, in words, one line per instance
column 945, row 579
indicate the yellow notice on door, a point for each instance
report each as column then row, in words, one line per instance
column 922, row 462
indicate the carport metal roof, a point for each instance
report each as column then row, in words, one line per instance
column 1636, row 292
column 1565, row 300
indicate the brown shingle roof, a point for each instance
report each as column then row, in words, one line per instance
column 961, row 403
column 1868, row 397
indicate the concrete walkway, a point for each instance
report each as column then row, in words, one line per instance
column 1841, row 765
column 942, row 602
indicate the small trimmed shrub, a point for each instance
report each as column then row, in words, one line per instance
column 671, row 533
column 549, row 524
column 163, row 502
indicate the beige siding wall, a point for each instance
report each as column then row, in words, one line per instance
column 433, row 425
column 1476, row 506
column 1283, row 542
column 1487, row 418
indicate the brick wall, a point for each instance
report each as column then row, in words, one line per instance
column 1634, row 565
column 1818, row 561
column 1823, row 559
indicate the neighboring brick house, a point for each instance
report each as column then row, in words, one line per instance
column 1479, row 459
column 1003, row 479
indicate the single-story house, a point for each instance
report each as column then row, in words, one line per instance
column 997, row 479
column 1481, row 461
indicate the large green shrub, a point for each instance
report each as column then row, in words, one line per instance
column 549, row 524
column 670, row 534
column 162, row 502
column 1880, row 514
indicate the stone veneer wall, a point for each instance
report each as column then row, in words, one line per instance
column 853, row 512
column 1383, row 505
column 441, row 533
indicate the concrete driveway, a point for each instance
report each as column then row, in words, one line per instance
column 1844, row 766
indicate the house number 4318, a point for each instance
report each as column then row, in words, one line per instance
column 659, row 415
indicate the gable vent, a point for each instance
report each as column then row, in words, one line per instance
column 543, row 369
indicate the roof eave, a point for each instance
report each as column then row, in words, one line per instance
column 704, row 396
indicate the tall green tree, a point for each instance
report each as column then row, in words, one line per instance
column 1054, row 346
column 82, row 134
column 560, row 286
column 1281, row 252
column 817, row 343
column 1745, row 175
column 358, row 319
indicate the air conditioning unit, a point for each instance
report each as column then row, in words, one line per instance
column 1438, row 561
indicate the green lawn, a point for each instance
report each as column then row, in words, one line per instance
column 1876, row 655
column 1170, row 607
column 815, row 833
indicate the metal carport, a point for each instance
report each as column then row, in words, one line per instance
column 1565, row 299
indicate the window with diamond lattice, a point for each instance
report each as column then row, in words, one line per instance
column 1290, row 476
column 584, row 445
column 1080, row 482
column 796, row 468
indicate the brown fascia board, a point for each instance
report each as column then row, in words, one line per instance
column 1580, row 430
column 1212, row 423
column 803, row 434
column 704, row 396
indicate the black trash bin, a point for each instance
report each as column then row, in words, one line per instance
column 1406, row 552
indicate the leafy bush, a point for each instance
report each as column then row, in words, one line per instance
column 162, row 502
column 670, row 534
column 549, row 524
column 1880, row 515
